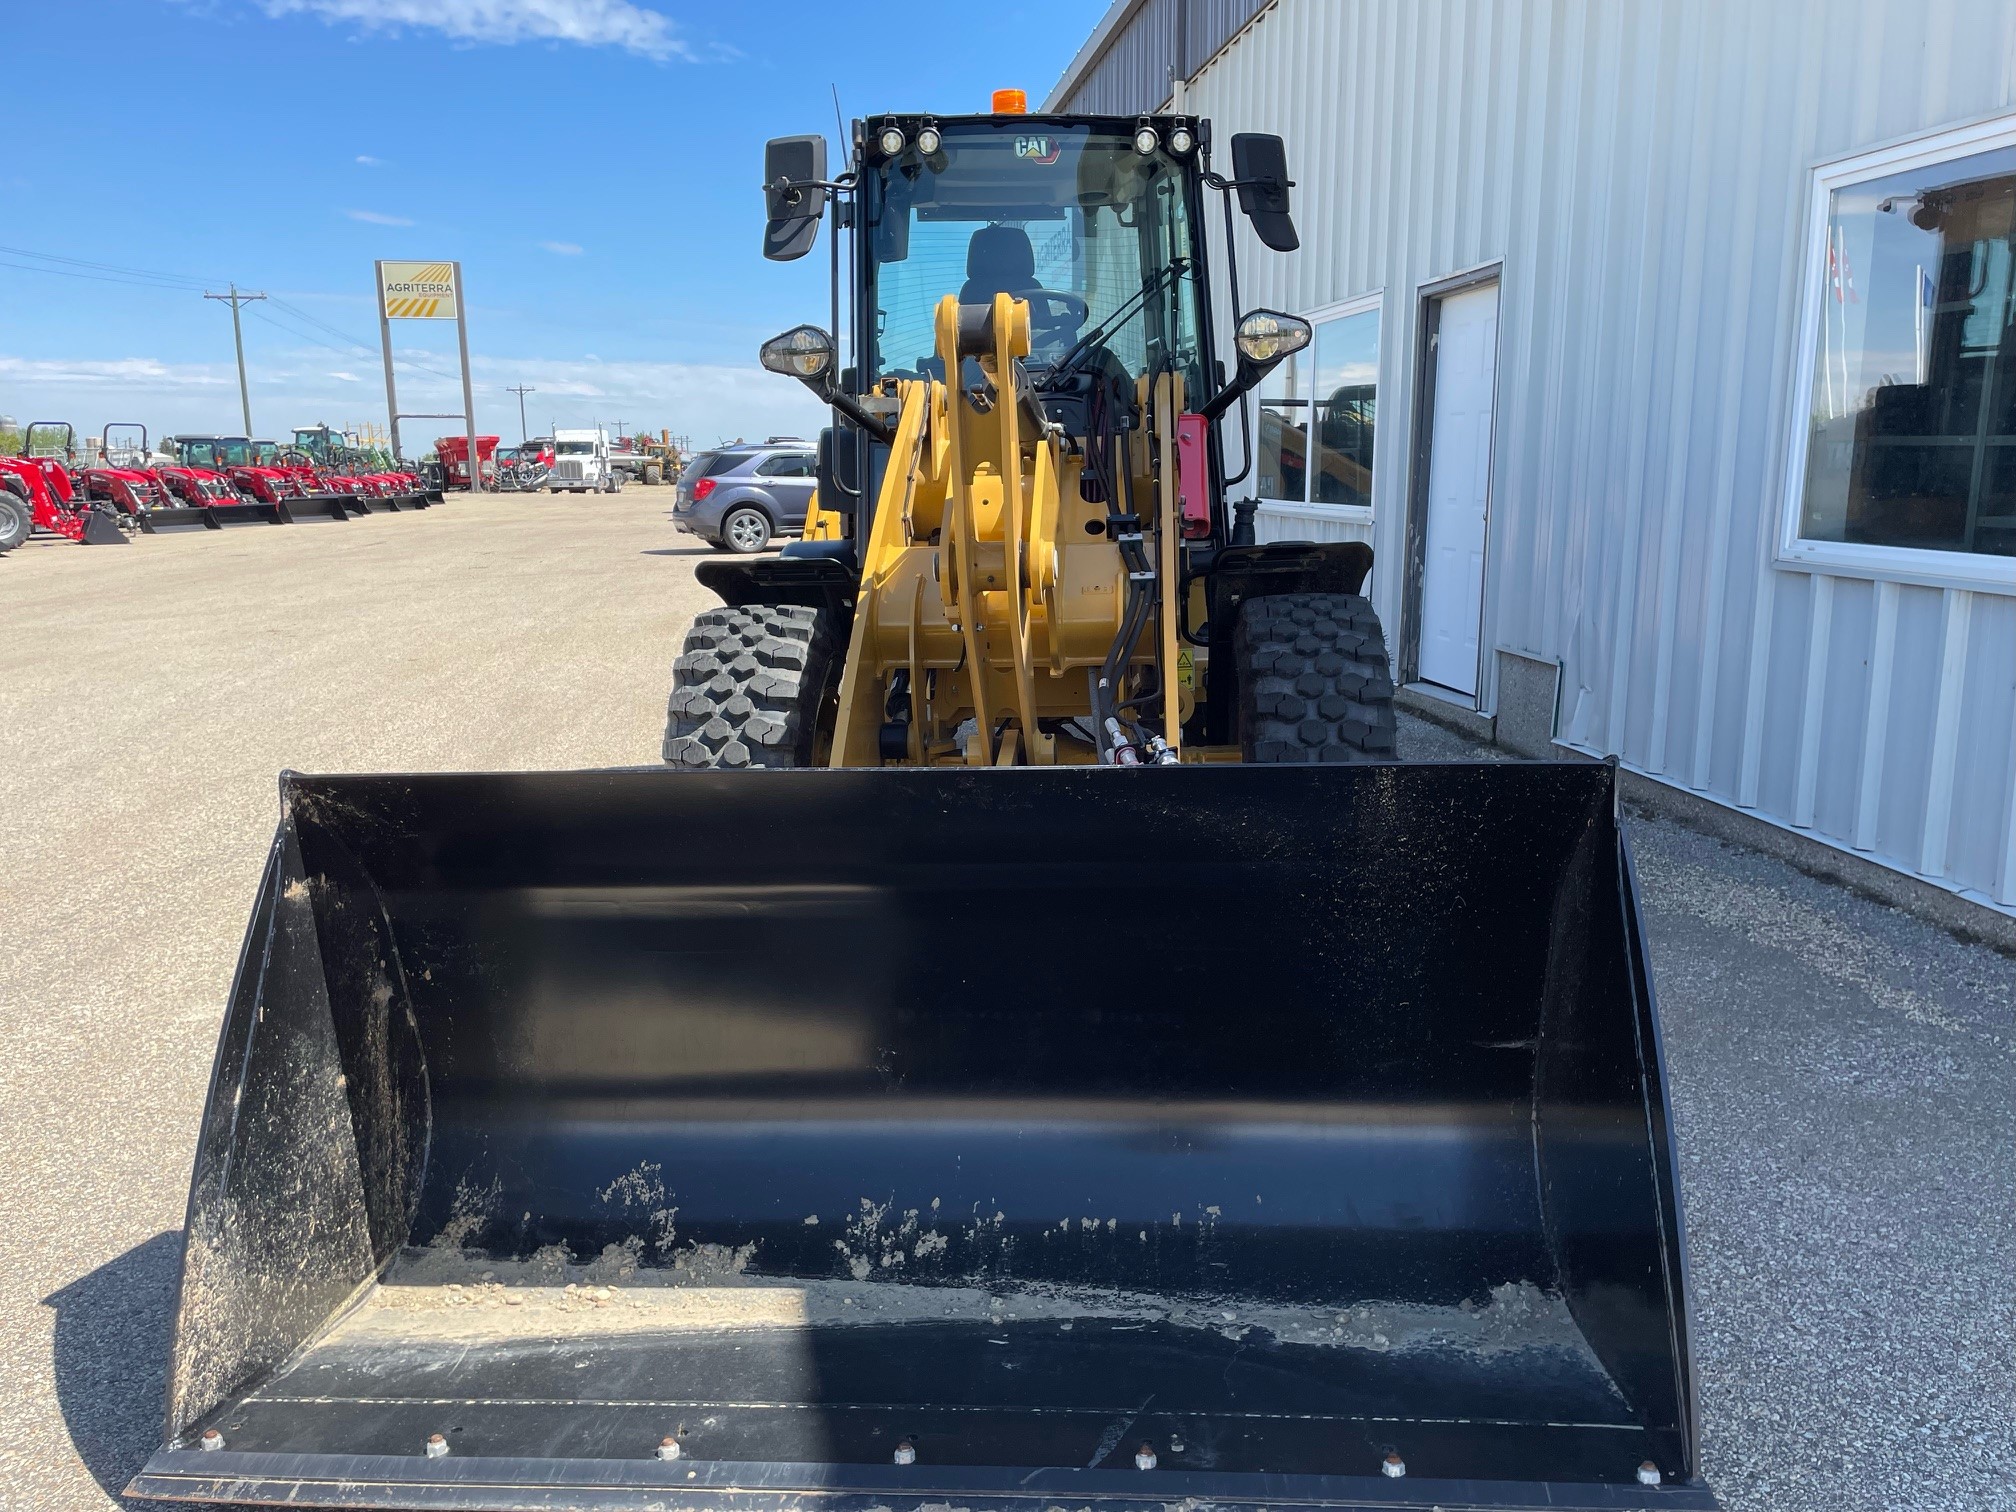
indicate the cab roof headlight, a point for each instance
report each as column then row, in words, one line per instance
column 929, row 141
column 1146, row 139
column 891, row 140
column 1268, row 336
column 1181, row 140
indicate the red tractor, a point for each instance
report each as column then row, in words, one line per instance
column 250, row 494
column 121, row 478
column 54, row 502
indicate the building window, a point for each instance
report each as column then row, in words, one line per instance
column 1909, row 401
column 1317, row 414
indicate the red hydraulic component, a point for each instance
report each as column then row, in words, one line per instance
column 1193, row 476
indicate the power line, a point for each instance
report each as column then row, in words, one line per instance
column 156, row 274
column 138, row 283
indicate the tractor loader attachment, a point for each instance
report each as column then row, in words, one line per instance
column 1242, row 1135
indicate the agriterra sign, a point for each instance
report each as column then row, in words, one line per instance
column 417, row 290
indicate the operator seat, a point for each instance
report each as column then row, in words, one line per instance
column 999, row 260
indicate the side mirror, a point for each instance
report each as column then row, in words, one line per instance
column 1265, row 339
column 791, row 167
column 1260, row 168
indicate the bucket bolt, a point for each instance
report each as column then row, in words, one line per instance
column 436, row 1446
column 668, row 1448
column 211, row 1439
column 1144, row 1457
column 906, row 1453
column 1648, row 1474
column 1393, row 1466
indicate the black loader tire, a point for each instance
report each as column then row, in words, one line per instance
column 749, row 688
column 1314, row 684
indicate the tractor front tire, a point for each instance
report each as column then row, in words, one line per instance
column 1314, row 684
column 17, row 520
column 750, row 688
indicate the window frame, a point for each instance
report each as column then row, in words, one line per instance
column 1309, row 509
column 1917, row 565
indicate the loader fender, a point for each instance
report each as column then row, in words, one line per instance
column 817, row 582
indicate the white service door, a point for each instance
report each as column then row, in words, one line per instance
column 1459, row 488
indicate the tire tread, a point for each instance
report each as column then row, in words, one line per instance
column 746, row 690
column 1314, row 683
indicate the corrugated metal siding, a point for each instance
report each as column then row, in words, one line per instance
column 1642, row 173
column 1163, row 41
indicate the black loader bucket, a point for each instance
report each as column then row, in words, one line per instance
column 751, row 1142
column 324, row 507
column 250, row 512
column 168, row 518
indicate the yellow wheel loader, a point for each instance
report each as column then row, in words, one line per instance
column 1031, row 1047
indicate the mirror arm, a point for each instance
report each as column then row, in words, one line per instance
column 1248, row 379
column 830, row 393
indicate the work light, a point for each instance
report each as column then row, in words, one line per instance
column 891, row 140
column 1268, row 336
column 1146, row 139
column 1181, row 140
column 928, row 140
column 802, row 352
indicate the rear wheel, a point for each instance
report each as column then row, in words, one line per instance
column 746, row 530
column 1313, row 680
column 750, row 688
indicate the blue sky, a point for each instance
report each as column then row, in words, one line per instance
column 593, row 163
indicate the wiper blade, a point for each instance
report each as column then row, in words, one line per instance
column 1112, row 325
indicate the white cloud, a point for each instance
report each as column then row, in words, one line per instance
column 564, row 249
column 589, row 23
column 374, row 218
column 709, row 402
column 369, row 161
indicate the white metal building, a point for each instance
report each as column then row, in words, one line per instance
column 1686, row 334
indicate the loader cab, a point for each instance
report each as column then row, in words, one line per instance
column 1097, row 234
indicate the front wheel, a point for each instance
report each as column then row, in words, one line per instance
column 17, row 522
column 750, row 688
column 1314, row 684
column 746, row 530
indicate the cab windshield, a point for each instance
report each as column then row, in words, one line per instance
column 1073, row 219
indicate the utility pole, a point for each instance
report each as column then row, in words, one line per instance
column 521, row 390
column 235, row 299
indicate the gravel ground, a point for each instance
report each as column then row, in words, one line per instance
column 1845, row 1077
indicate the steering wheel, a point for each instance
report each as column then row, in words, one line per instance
column 1054, row 315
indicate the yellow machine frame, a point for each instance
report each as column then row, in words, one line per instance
column 991, row 580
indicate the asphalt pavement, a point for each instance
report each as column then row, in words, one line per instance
column 1844, row 1076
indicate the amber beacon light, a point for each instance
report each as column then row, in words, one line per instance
column 1011, row 102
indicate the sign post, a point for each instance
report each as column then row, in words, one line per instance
column 427, row 291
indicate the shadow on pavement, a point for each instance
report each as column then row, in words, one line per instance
column 112, row 1336
column 680, row 551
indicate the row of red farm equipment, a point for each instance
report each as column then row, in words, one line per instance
column 125, row 487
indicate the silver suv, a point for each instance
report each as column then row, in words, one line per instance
column 740, row 498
